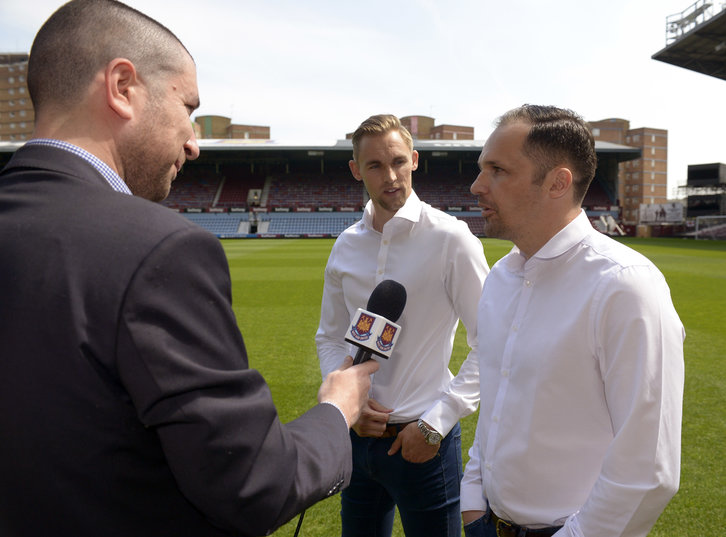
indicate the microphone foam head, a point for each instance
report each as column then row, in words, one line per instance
column 388, row 300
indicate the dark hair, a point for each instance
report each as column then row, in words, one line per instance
column 82, row 36
column 558, row 136
column 378, row 125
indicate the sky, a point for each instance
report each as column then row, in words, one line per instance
column 313, row 70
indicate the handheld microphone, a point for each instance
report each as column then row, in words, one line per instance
column 374, row 329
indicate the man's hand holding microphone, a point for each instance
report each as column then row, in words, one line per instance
column 347, row 388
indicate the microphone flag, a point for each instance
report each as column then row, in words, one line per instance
column 373, row 333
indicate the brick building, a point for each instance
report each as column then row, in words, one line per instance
column 16, row 109
column 424, row 128
column 222, row 127
column 643, row 180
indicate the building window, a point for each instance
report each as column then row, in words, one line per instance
column 11, row 79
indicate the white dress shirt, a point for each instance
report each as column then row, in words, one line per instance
column 442, row 266
column 581, row 389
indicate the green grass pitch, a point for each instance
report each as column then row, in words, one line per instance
column 277, row 286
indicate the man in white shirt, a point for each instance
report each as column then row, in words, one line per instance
column 581, row 377
column 407, row 443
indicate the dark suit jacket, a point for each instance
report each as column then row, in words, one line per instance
column 126, row 403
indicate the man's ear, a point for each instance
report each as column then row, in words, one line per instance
column 355, row 170
column 561, row 182
column 122, row 83
column 414, row 160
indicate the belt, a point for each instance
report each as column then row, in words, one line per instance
column 504, row 528
column 395, row 428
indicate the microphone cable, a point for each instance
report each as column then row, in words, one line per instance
column 299, row 523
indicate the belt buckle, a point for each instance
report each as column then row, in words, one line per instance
column 504, row 528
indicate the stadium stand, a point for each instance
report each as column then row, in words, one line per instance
column 444, row 191
column 312, row 191
column 331, row 224
column 238, row 180
column 474, row 220
column 195, row 187
column 221, row 224
column 299, row 192
column 308, row 190
column 597, row 196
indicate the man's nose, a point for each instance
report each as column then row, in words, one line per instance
column 191, row 148
column 478, row 186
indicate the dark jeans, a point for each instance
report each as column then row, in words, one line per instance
column 480, row 528
column 427, row 494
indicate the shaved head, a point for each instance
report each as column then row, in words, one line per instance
column 83, row 36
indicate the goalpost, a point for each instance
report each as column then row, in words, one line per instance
column 710, row 227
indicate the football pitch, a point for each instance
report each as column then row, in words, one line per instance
column 277, row 286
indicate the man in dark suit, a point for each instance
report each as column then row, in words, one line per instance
column 126, row 403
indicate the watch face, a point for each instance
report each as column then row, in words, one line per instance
column 432, row 437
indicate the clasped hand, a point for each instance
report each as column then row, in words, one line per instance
column 373, row 421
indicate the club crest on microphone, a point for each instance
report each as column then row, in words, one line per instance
column 361, row 329
column 385, row 340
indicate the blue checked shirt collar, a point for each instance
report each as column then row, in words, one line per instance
column 111, row 176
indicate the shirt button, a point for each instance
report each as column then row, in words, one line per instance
column 505, row 372
column 495, row 419
column 385, row 242
column 528, row 283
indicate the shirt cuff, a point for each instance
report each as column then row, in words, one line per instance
column 472, row 498
column 347, row 425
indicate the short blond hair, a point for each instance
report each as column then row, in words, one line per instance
column 378, row 125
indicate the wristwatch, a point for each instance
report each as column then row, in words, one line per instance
column 432, row 437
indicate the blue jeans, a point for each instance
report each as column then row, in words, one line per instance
column 427, row 494
column 480, row 528
column 485, row 527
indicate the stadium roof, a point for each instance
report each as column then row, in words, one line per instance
column 695, row 41
column 340, row 147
